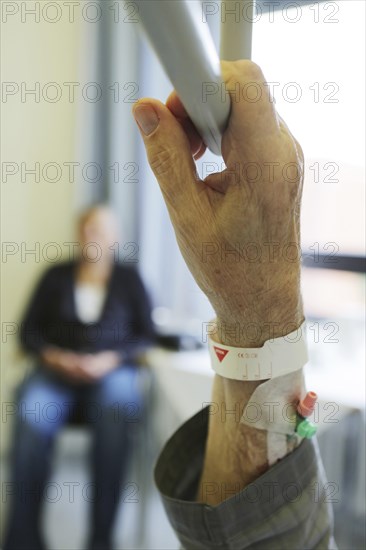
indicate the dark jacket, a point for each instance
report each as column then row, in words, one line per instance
column 125, row 324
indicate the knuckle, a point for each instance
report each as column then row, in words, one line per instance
column 162, row 161
column 249, row 70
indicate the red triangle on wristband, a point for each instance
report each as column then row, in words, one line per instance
column 220, row 353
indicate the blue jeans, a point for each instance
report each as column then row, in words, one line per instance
column 111, row 406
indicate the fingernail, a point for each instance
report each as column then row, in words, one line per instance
column 146, row 118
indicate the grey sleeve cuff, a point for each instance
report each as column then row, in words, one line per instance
column 284, row 508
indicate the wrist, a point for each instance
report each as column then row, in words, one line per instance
column 243, row 447
column 251, row 328
column 236, row 454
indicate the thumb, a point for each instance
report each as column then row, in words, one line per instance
column 169, row 153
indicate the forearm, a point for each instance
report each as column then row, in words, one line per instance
column 236, row 453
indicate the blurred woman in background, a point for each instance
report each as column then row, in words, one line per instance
column 86, row 324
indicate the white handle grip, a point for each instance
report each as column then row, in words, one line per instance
column 236, row 29
column 184, row 45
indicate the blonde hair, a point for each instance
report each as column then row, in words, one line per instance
column 89, row 212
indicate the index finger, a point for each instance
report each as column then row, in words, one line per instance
column 254, row 130
column 253, row 109
column 177, row 108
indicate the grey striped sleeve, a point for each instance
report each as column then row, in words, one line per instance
column 285, row 508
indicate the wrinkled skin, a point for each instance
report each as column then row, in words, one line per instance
column 235, row 210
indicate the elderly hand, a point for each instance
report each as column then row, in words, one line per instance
column 238, row 229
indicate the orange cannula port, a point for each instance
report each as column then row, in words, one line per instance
column 306, row 405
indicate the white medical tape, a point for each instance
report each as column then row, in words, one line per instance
column 276, row 447
column 272, row 407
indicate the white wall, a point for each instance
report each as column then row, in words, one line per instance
column 33, row 132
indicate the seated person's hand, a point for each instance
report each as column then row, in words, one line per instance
column 238, row 229
column 99, row 364
column 66, row 363
column 80, row 368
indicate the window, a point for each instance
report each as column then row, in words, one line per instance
column 317, row 91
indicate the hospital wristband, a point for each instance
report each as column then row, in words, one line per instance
column 275, row 358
